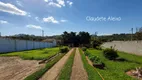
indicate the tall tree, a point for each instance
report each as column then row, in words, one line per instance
column 75, row 39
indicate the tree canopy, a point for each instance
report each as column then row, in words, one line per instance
column 74, row 39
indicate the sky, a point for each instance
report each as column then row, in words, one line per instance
column 56, row 16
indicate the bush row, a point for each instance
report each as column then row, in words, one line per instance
column 64, row 49
column 96, row 60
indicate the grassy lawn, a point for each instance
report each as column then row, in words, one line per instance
column 67, row 69
column 115, row 70
column 38, row 74
column 92, row 73
column 34, row 54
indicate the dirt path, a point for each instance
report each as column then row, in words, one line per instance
column 78, row 71
column 53, row 73
column 14, row 68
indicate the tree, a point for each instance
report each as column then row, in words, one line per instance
column 75, row 39
column 84, row 38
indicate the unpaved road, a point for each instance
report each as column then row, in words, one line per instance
column 78, row 71
column 14, row 68
column 132, row 47
column 53, row 73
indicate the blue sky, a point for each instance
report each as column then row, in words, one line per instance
column 57, row 16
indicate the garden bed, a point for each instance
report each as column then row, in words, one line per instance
column 116, row 70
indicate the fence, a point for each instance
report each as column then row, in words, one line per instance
column 134, row 47
column 10, row 45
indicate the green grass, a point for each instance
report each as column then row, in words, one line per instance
column 38, row 74
column 115, row 70
column 67, row 69
column 92, row 73
column 34, row 54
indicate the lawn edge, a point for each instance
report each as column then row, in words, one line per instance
column 67, row 69
column 89, row 68
column 38, row 74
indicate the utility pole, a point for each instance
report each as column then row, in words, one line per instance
column 136, row 34
column 136, row 29
column 42, row 33
column 96, row 34
column 132, row 34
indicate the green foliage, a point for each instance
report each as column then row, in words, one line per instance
column 119, row 37
column 84, row 38
column 38, row 74
column 110, row 53
column 67, row 69
column 74, row 39
column 138, row 35
column 64, row 50
column 95, row 59
column 92, row 73
column 115, row 70
column 38, row 54
column 84, row 48
column 99, row 48
column 96, row 43
column 86, row 53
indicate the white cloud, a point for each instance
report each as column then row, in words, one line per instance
column 63, row 20
column 61, row 2
column 50, row 20
column 10, row 8
column 46, row 0
column 70, row 3
column 3, row 22
column 29, row 15
column 58, row 3
column 33, row 26
column 19, row 3
column 54, row 4
column 37, row 18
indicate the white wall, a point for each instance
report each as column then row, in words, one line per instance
column 126, row 46
column 30, row 45
column 10, row 45
column 7, row 45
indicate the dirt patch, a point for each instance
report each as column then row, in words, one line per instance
column 131, row 73
column 52, row 74
column 78, row 71
column 14, row 68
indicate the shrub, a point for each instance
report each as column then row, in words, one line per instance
column 64, row 50
column 86, row 53
column 92, row 58
column 96, row 43
column 97, row 62
column 99, row 48
column 95, row 59
column 84, row 48
column 110, row 54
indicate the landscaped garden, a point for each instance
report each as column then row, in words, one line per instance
column 116, row 69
